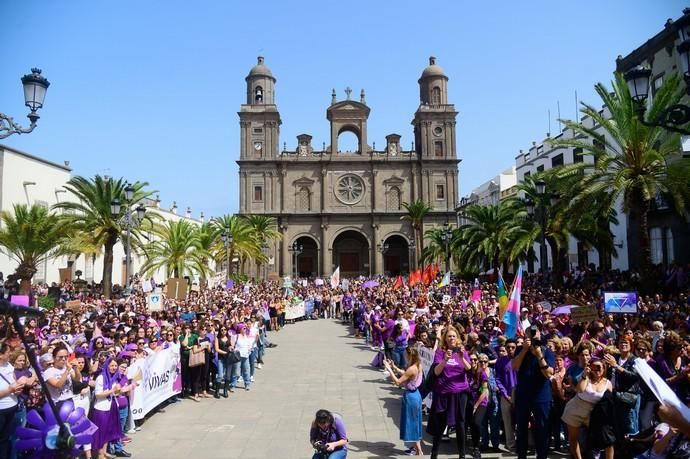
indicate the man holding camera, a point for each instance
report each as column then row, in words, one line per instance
column 534, row 363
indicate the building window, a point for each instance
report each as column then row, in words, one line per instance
column 304, row 199
column 436, row 96
column 258, row 95
column 540, row 168
column 557, row 160
column 527, row 174
column 670, row 256
column 258, row 130
column 393, row 199
column 258, row 193
column 577, row 155
column 438, row 149
column 440, row 192
column 656, row 84
column 597, row 144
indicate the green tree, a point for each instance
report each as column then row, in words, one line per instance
column 416, row 211
column 265, row 230
column 244, row 243
column 90, row 213
column 640, row 163
column 177, row 248
column 31, row 235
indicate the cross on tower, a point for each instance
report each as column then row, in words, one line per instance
column 348, row 91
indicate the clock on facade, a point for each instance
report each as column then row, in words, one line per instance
column 257, row 146
column 438, row 131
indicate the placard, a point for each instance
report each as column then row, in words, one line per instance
column 176, row 288
column 154, row 302
column 74, row 305
column 20, row 300
column 453, row 290
column 65, row 274
column 476, row 295
column 446, row 299
column 547, row 306
column 196, row 288
column 583, row 314
column 620, row 302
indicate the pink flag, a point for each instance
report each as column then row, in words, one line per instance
column 512, row 314
column 476, row 295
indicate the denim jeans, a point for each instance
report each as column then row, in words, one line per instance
column 116, row 445
column 7, row 428
column 491, row 425
column 252, row 360
column 399, row 357
column 225, row 372
column 235, row 373
column 339, row 454
column 19, row 421
column 540, row 410
column 244, row 368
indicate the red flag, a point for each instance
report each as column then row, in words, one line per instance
column 398, row 283
column 415, row 278
column 434, row 271
column 426, row 275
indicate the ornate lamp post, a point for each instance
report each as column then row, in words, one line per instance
column 412, row 246
column 131, row 218
column 35, row 87
column 676, row 115
column 446, row 237
column 226, row 237
column 296, row 250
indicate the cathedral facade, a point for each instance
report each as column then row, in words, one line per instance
column 344, row 208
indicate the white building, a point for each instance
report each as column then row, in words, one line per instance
column 544, row 156
column 28, row 179
column 492, row 191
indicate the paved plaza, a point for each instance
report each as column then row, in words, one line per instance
column 316, row 365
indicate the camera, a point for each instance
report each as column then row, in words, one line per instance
column 531, row 332
column 320, row 446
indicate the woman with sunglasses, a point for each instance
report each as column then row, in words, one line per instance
column 60, row 376
column 591, row 388
column 411, row 407
column 225, row 349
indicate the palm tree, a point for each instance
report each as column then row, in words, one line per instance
column 416, row 211
column 265, row 229
column 91, row 214
column 207, row 236
column 177, row 249
column 32, row 235
column 641, row 162
column 244, row 243
column 489, row 238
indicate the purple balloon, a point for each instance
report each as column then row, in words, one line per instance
column 48, row 415
column 83, row 439
column 66, row 409
column 76, row 415
column 35, row 419
column 30, row 443
column 25, row 432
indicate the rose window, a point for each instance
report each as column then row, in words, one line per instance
column 349, row 189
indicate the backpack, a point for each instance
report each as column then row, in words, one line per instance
column 428, row 382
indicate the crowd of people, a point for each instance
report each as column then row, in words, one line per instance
column 556, row 387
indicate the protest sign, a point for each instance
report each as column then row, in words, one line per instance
column 176, row 288
column 620, row 302
column 65, row 274
column 73, row 305
column 476, row 295
column 545, row 305
column 154, row 302
column 20, row 300
column 294, row 310
column 157, row 376
column 583, row 314
column 453, row 291
column 446, row 299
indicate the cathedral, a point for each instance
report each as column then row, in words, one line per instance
column 344, row 208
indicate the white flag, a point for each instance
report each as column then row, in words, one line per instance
column 335, row 278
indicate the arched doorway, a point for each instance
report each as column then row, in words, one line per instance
column 351, row 253
column 307, row 261
column 396, row 256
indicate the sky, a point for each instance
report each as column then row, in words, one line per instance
column 150, row 90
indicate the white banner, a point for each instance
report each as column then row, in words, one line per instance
column 158, row 378
column 294, row 311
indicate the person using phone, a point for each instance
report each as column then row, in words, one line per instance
column 534, row 363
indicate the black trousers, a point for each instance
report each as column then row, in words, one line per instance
column 6, row 426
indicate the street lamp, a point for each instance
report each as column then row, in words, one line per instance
column 264, row 250
column 412, row 248
column 35, row 87
column 296, row 250
column 227, row 242
column 446, row 237
column 637, row 78
column 383, row 246
column 130, row 218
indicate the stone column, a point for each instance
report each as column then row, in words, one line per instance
column 448, row 191
column 324, row 174
column 285, row 255
column 243, row 190
column 376, row 258
column 325, row 253
column 374, row 173
column 414, row 186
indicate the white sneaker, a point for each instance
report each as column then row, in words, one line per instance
column 251, row 379
column 258, row 365
column 131, row 431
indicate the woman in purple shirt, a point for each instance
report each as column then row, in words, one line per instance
column 327, row 435
column 451, row 390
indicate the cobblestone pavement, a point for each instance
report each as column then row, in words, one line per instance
column 316, row 365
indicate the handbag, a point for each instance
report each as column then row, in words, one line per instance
column 233, row 357
column 628, row 399
column 196, row 358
